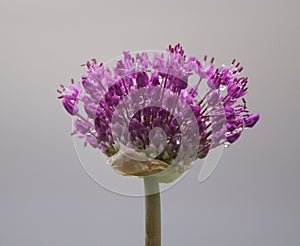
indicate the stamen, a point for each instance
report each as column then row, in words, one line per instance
column 88, row 64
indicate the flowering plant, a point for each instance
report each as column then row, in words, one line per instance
column 147, row 118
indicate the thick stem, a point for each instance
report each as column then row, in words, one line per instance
column 152, row 212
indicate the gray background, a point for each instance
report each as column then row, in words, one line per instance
column 46, row 198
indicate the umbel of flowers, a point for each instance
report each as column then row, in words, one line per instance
column 219, row 117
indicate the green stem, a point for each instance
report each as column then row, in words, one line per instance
column 152, row 212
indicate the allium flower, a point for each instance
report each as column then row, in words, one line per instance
column 220, row 116
column 146, row 116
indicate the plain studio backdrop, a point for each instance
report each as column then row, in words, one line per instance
column 46, row 198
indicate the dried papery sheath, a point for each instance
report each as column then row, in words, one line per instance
column 136, row 164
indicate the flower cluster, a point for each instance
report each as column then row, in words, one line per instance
column 220, row 116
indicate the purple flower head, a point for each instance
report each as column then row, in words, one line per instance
column 147, row 105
